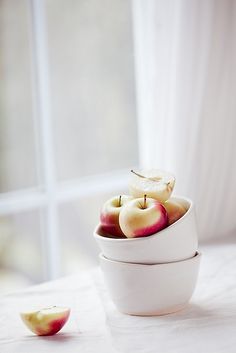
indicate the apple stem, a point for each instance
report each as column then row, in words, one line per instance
column 145, row 202
column 119, row 203
column 49, row 307
column 156, row 179
column 168, row 186
column 139, row 175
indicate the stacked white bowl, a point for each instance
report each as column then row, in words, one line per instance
column 153, row 275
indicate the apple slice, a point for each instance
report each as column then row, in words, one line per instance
column 154, row 183
column 109, row 216
column 142, row 217
column 46, row 322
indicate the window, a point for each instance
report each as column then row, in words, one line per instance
column 68, row 129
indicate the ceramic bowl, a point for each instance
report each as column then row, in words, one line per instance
column 148, row 290
column 178, row 241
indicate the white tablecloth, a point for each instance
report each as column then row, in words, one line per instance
column 208, row 324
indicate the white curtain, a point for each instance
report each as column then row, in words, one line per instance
column 185, row 54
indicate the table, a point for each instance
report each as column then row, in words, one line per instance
column 208, row 324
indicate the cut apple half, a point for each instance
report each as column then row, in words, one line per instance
column 47, row 321
column 154, row 183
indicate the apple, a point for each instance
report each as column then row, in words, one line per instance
column 46, row 322
column 142, row 217
column 154, row 183
column 109, row 216
column 174, row 210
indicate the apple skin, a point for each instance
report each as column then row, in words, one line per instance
column 46, row 322
column 110, row 212
column 174, row 210
column 137, row 221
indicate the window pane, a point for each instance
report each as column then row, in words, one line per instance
column 17, row 147
column 77, row 222
column 20, row 251
column 92, row 82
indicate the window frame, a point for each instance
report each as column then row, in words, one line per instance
column 47, row 197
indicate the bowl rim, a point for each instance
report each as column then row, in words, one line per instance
column 160, row 233
column 196, row 257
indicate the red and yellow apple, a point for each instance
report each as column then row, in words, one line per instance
column 154, row 183
column 46, row 322
column 109, row 217
column 174, row 210
column 142, row 217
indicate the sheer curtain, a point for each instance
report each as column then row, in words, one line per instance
column 185, row 56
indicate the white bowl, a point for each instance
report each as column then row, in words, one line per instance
column 178, row 241
column 150, row 289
